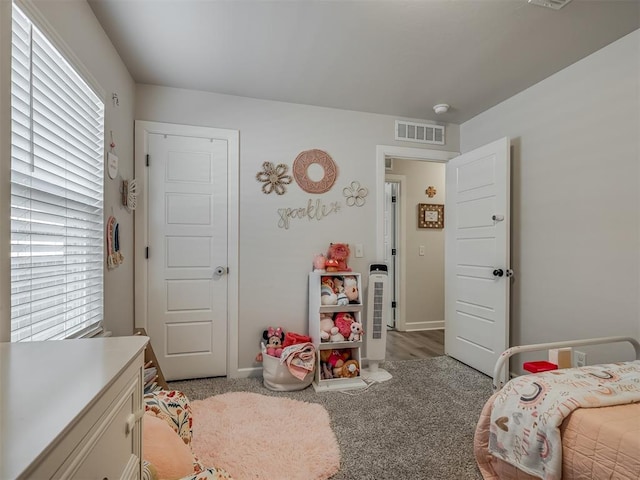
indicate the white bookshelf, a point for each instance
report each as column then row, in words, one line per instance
column 316, row 308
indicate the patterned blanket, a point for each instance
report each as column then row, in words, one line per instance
column 528, row 411
column 300, row 359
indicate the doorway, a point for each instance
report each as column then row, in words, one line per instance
column 407, row 318
column 415, row 248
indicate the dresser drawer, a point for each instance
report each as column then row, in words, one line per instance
column 111, row 448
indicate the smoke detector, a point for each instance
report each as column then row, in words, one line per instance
column 555, row 4
column 441, row 108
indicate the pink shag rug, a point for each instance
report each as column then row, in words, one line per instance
column 258, row 437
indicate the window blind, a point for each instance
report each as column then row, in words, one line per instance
column 57, row 152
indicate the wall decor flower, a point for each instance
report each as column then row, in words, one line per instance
column 318, row 157
column 274, row 178
column 431, row 191
column 355, row 194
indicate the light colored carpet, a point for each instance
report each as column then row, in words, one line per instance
column 417, row 426
column 259, row 437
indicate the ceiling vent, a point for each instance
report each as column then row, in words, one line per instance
column 555, row 4
column 419, row 132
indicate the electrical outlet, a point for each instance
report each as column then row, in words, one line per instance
column 580, row 358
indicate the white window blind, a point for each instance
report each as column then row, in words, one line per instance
column 57, row 152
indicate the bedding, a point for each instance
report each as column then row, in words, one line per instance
column 596, row 443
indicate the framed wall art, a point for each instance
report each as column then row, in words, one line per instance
column 430, row 215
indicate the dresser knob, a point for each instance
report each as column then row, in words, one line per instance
column 131, row 421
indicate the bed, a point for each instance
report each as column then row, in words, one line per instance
column 537, row 426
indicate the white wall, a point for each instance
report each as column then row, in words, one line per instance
column 575, row 198
column 274, row 262
column 75, row 23
column 424, row 280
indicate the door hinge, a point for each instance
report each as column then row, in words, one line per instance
column 393, row 251
column 147, row 159
column 393, row 199
column 394, row 304
column 146, row 252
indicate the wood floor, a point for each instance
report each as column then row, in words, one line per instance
column 414, row 345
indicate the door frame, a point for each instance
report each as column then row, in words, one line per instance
column 404, row 153
column 401, row 244
column 141, row 222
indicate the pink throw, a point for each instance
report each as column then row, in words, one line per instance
column 300, row 359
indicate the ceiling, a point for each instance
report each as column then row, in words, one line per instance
column 391, row 57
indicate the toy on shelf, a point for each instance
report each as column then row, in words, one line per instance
column 356, row 332
column 336, row 360
column 327, row 294
column 332, row 265
column 343, row 321
column 350, row 369
column 351, row 289
column 338, row 252
column 338, row 288
column 327, row 327
column 319, row 262
column 337, row 363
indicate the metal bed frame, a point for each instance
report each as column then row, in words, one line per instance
column 504, row 356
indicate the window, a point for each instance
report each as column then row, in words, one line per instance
column 57, row 152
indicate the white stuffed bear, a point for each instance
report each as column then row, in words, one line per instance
column 327, row 327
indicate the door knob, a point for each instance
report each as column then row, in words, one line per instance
column 498, row 272
column 220, row 271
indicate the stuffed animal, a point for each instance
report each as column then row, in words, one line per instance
column 336, row 360
column 319, row 262
column 339, row 252
column 327, row 294
column 325, row 369
column 351, row 289
column 337, row 336
column 356, row 332
column 274, row 338
column 338, row 287
column 327, row 327
column 332, row 265
column 343, row 321
column 350, row 369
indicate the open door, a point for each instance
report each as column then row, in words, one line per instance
column 477, row 257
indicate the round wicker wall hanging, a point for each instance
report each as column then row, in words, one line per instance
column 301, row 165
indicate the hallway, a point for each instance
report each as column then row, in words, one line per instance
column 414, row 345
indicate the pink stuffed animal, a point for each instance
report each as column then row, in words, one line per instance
column 343, row 321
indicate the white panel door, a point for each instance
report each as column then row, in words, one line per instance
column 477, row 256
column 187, row 293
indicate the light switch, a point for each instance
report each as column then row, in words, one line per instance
column 359, row 250
column 421, row 251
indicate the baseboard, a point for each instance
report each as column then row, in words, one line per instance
column 418, row 326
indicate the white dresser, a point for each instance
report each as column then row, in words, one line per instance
column 71, row 409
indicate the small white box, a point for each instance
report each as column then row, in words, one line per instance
column 561, row 357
